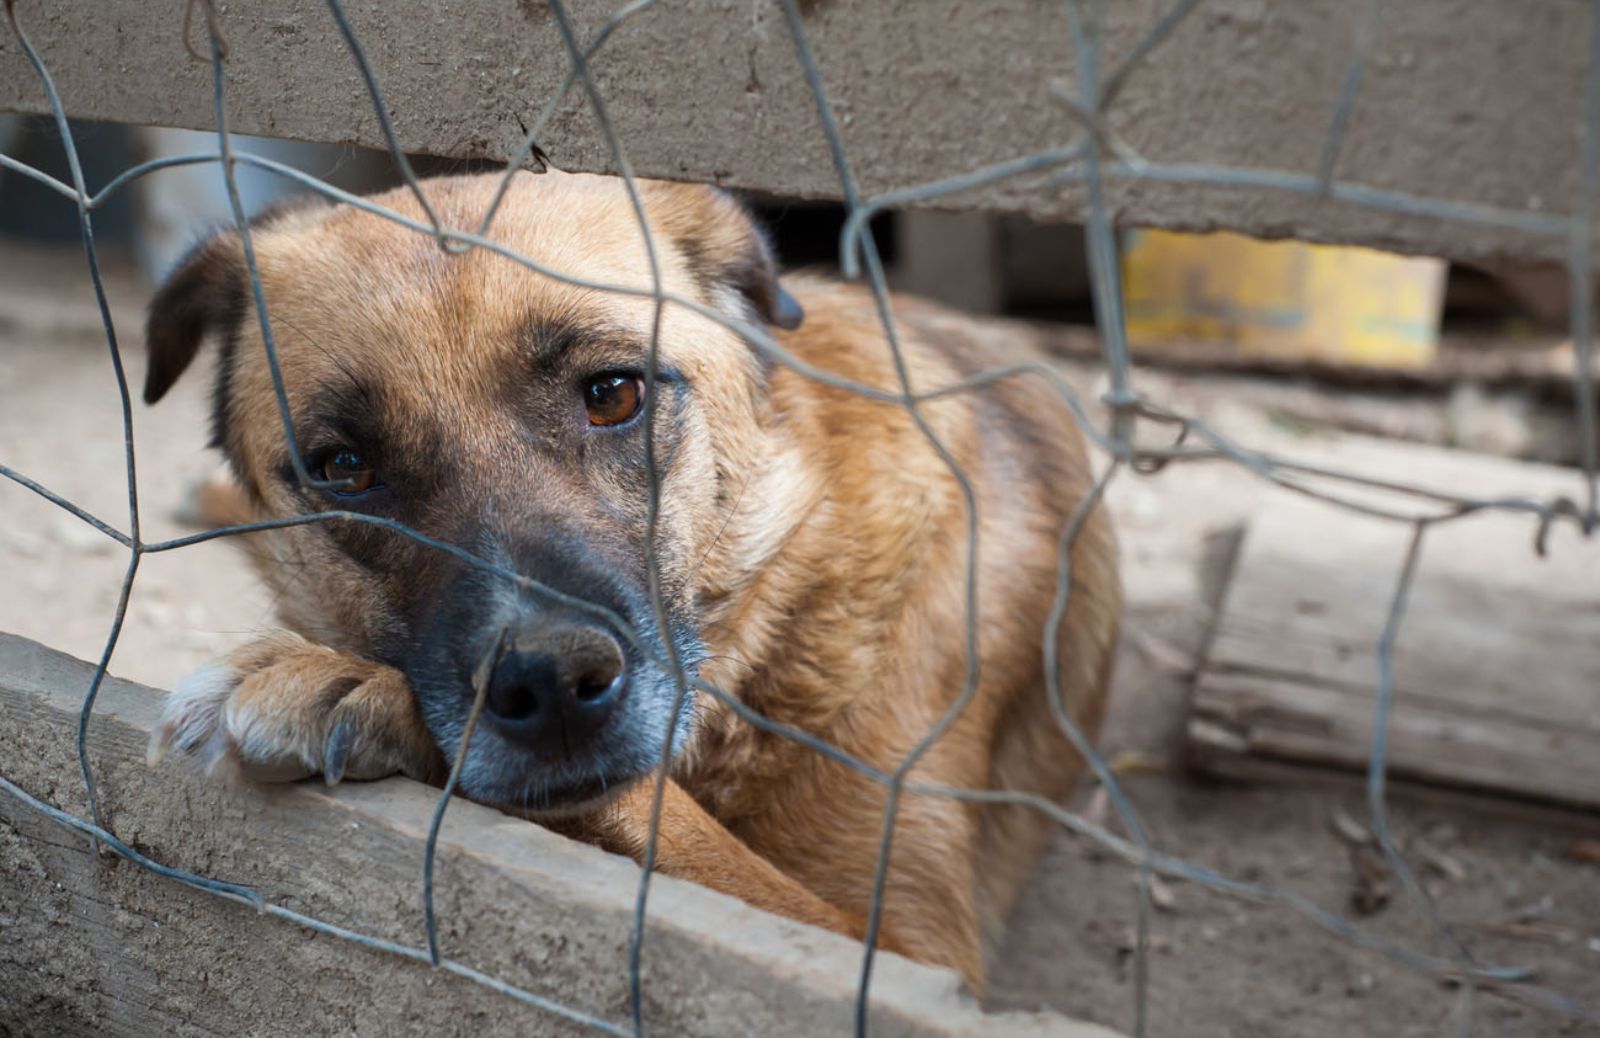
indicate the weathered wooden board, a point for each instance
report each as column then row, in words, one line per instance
column 1497, row 666
column 96, row 946
column 1473, row 101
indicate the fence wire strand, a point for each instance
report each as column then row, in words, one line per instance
column 1093, row 158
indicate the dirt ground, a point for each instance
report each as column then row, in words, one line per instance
column 1503, row 875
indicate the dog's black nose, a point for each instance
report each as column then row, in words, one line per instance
column 558, row 682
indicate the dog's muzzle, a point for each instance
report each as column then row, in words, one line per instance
column 576, row 705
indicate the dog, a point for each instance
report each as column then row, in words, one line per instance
column 811, row 546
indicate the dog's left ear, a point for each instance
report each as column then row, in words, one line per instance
column 724, row 248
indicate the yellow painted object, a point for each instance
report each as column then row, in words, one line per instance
column 1282, row 299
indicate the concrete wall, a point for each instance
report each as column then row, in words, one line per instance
column 1476, row 101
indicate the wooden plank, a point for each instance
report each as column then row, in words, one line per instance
column 94, row 946
column 1497, row 667
column 1546, row 365
column 1472, row 101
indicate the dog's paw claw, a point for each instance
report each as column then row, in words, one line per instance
column 160, row 740
column 336, row 750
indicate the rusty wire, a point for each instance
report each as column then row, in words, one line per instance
column 1093, row 158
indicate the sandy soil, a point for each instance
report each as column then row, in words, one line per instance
column 1502, row 875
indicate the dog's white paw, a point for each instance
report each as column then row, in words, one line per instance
column 282, row 709
column 192, row 718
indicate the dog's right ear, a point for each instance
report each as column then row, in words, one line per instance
column 204, row 295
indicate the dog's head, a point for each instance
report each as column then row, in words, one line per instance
column 501, row 412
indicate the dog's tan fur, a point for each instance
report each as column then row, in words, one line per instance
column 820, row 537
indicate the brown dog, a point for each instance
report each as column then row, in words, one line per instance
column 812, row 547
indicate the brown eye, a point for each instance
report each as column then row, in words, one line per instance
column 347, row 467
column 612, row 399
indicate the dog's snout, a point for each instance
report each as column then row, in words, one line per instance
column 558, row 682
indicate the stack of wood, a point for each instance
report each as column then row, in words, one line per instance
column 1497, row 664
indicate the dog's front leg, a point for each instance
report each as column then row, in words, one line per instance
column 695, row 846
column 282, row 708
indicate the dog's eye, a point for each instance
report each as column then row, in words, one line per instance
column 345, row 465
column 613, row 398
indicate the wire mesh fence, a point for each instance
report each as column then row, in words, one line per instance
column 1093, row 158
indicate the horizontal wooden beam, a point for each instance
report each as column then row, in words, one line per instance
column 1493, row 680
column 100, row 946
column 1473, row 102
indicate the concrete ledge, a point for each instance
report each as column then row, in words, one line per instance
column 1476, row 101
column 103, row 947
